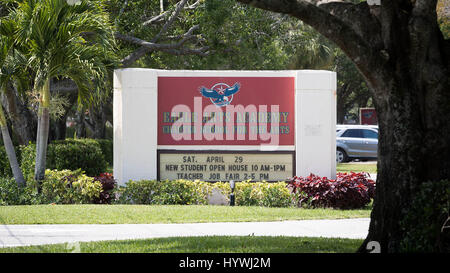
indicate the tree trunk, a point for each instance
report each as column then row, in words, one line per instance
column 42, row 133
column 23, row 120
column 69, row 90
column 97, row 120
column 399, row 49
column 413, row 107
column 10, row 152
column 80, row 124
column 58, row 129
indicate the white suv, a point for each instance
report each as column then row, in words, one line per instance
column 356, row 141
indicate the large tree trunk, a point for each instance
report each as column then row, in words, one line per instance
column 404, row 58
column 413, row 107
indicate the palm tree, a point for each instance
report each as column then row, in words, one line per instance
column 9, row 71
column 62, row 40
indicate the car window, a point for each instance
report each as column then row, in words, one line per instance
column 352, row 133
column 370, row 134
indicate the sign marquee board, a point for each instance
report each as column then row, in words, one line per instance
column 223, row 125
column 226, row 166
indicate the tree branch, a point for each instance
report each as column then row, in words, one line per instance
column 168, row 24
column 352, row 27
column 155, row 46
column 203, row 51
column 160, row 17
column 172, row 48
column 147, row 47
column 156, row 19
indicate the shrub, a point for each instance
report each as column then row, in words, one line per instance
column 69, row 187
column 5, row 168
column 137, row 192
column 424, row 223
column 175, row 192
column 12, row 194
column 262, row 194
column 347, row 191
column 276, row 195
column 70, row 154
column 247, row 193
column 182, row 192
column 106, row 145
column 108, row 186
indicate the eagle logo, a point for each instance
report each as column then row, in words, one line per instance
column 221, row 94
column 368, row 114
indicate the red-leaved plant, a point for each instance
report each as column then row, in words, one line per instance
column 347, row 191
column 108, row 185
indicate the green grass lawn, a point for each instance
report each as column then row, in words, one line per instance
column 349, row 167
column 143, row 214
column 210, row 244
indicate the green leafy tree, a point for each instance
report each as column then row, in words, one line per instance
column 66, row 41
column 352, row 91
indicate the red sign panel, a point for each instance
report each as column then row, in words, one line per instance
column 226, row 110
column 368, row 116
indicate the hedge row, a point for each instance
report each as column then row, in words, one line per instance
column 74, row 187
column 70, row 187
column 91, row 155
column 185, row 192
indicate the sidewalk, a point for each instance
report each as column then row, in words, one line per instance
column 22, row 235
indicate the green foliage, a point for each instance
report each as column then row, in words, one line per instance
column 444, row 17
column 240, row 36
column 423, row 226
column 52, row 35
column 196, row 192
column 106, row 145
column 259, row 193
column 137, row 192
column 5, row 169
column 176, row 192
column 69, row 187
column 352, row 91
column 70, row 154
column 12, row 194
column 59, row 187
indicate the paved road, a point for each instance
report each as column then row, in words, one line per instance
column 21, row 235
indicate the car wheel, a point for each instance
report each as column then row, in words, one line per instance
column 341, row 156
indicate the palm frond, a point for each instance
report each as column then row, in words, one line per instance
column 74, row 41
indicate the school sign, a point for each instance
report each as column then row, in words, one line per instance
column 223, row 125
